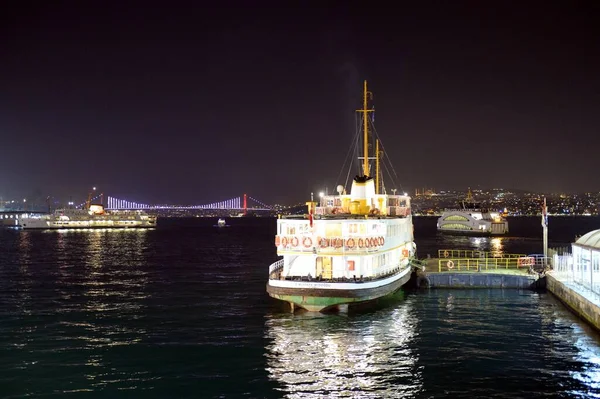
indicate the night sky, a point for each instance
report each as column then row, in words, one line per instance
column 180, row 102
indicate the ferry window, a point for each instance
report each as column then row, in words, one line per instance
column 333, row 230
column 375, row 228
column 362, row 229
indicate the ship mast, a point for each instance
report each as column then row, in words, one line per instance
column 365, row 112
column 377, row 167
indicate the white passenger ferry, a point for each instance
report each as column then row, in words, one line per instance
column 90, row 217
column 348, row 248
column 472, row 219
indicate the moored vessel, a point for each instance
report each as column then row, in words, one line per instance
column 349, row 248
column 471, row 218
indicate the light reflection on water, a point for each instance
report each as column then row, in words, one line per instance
column 76, row 299
column 369, row 355
column 438, row 343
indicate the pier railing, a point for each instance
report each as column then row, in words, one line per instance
column 585, row 275
column 479, row 264
column 524, row 263
column 468, row 253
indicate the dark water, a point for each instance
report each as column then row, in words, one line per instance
column 181, row 311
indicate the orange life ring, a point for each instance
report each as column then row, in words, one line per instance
column 361, row 243
column 277, row 241
column 405, row 253
column 294, row 241
column 284, row 241
column 350, row 243
column 446, row 254
column 381, row 240
column 307, row 242
column 324, row 242
column 338, row 243
column 367, row 243
column 450, row 265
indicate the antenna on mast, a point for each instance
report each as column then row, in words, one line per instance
column 365, row 111
column 377, row 167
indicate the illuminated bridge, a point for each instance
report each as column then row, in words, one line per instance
column 242, row 203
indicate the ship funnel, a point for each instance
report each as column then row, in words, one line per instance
column 362, row 195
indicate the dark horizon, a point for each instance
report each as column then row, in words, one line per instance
column 193, row 104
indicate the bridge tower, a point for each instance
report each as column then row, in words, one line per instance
column 245, row 205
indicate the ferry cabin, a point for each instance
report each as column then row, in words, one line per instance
column 344, row 246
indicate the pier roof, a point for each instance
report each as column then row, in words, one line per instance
column 591, row 239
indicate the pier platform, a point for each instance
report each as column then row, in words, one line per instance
column 475, row 269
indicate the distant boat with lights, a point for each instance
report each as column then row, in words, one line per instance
column 472, row 219
column 91, row 216
column 221, row 223
column 349, row 248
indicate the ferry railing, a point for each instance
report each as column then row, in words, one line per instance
column 333, row 210
column 398, row 210
column 275, row 269
column 384, row 273
column 276, row 266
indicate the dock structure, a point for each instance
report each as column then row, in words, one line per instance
column 573, row 278
column 478, row 269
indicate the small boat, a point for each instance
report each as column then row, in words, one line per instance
column 349, row 248
column 221, row 223
column 472, row 219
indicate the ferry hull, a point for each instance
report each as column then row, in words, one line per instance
column 323, row 299
column 42, row 224
column 86, row 227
